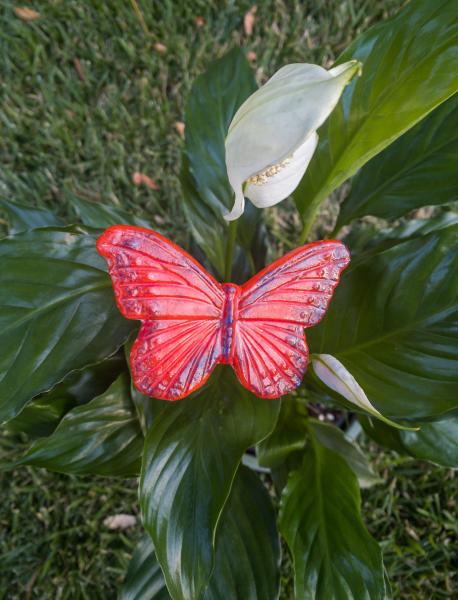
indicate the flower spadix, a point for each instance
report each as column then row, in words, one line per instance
column 272, row 136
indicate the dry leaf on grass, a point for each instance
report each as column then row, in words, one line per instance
column 142, row 179
column 26, row 14
column 121, row 521
column 199, row 21
column 79, row 69
column 161, row 48
column 179, row 126
column 248, row 20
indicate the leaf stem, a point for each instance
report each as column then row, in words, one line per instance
column 308, row 218
column 232, row 234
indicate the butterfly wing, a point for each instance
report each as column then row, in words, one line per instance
column 271, row 355
column 179, row 304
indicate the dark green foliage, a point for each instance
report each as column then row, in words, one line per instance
column 334, row 555
column 89, row 100
column 101, row 437
column 191, row 455
column 393, row 324
column 57, row 312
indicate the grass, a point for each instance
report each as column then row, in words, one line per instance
column 413, row 516
column 53, row 543
column 87, row 99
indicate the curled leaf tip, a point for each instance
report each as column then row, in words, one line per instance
column 336, row 376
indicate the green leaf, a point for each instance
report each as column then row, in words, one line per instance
column 366, row 236
column 334, row 439
column 22, row 217
column 144, row 578
column 419, row 169
column 289, row 434
column 206, row 227
column 418, row 227
column 334, row 555
column 215, row 97
column 191, row 455
column 382, row 433
column 393, row 323
column 41, row 415
column 409, row 67
column 94, row 214
column 102, row 437
column 436, row 442
column 247, row 559
column 57, row 312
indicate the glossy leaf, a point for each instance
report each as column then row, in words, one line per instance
column 393, row 324
column 41, row 415
column 22, row 217
column 210, row 237
column 207, row 194
column 95, row 214
column 206, row 227
column 418, row 227
column 144, row 578
column 419, row 169
column 334, row 439
column 191, row 455
column 289, row 434
column 334, row 555
column 247, row 557
column 101, row 437
column 436, row 441
column 57, row 312
column 367, row 236
column 382, row 433
column 214, row 99
column 409, row 68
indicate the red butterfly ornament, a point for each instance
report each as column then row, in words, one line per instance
column 190, row 322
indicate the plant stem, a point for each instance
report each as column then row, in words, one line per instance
column 232, row 234
column 308, row 218
column 140, row 17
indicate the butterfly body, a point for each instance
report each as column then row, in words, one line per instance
column 190, row 322
column 228, row 322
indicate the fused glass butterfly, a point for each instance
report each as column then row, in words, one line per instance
column 190, row 322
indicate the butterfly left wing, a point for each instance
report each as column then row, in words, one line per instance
column 270, row 352
column 179, row 304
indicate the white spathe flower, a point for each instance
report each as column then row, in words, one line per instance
column 334, row 374
column 272, row 136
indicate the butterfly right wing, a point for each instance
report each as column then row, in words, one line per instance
column 180, row 306
column 271, row 354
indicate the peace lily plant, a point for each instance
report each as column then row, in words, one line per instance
column 382, row 359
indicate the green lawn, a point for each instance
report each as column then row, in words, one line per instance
column 54, row 545
column 87, row 99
